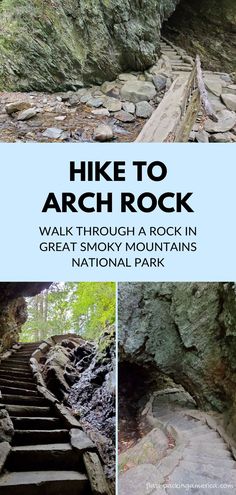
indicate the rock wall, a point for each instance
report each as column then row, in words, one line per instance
column 60, row 45
column 82, row 375
column 188, row 332
column 13, row 311
column 206, row 27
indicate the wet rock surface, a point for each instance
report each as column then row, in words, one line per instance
column 188, row 332
column 82, row 375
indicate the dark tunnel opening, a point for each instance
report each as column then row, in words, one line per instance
column 137, row 384
column 206, row 28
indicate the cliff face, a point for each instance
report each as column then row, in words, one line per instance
column 59, row 45
column 13, row 313
column 187, row 331
column 206, row 27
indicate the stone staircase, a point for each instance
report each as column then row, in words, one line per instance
column 221, row 94
column 203, row 459
column 42, row 460
column 179, row 59
column 197, row 462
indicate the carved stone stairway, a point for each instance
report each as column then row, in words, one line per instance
column 41, row 460
column 199, row 461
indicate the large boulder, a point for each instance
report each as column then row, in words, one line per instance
column 58, row 45
column 187, row 331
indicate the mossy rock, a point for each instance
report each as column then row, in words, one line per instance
column 55, row 45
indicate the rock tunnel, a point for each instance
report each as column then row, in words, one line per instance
column 207, row 28
column 183, row 334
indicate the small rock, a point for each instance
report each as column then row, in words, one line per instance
column 230, row 101
column 74, row 100
column 101, row 111
column 53, row 133
column 192, row 136
column 159, row 82
column 222, row 137
column 144, row 109
column 60, row 118
column 81, row 91
column 202, row 136
column 17, row 106
column 136, row 91
column 85, row 98
column 148, row 76
column 108, row 86
column 214, row 86
column 226, row 121
column 112, row 104
column 124, row 116
column 142, row 77
column 103, row 133
column 95, row 102
column 59, row 98
column 80, row 441
column 129, row 107
column 27, row 114
column 127, row 77
column 114, row 93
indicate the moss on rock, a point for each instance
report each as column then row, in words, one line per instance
column 55, row 45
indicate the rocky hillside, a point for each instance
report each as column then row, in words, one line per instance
column 186, row 331
column 58, row 45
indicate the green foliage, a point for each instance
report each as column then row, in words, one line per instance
column 85, row 308
column 95, row 307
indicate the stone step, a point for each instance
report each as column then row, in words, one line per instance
column 18, row 361
column 43, row 457
column 224, row 475
column 179, row 62
column 207, row 450
column 5, row 389
column 17, row 384
column 28, row 411
column 227, row 464
column 27, row 345
column 208, row 459
column 45, row 483
column 14, row 372
column 181, row 69
column 23, row 399
column 16, row 367
column 34, row 423
column 15, row 377
column 32, row 437
column 193, row 478
column 24, row 352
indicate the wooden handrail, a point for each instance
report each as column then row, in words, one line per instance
column 206, row 104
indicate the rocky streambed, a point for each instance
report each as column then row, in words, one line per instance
column 114, row 111
column 117, row 110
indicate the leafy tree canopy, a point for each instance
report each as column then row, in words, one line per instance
column 85, row 308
